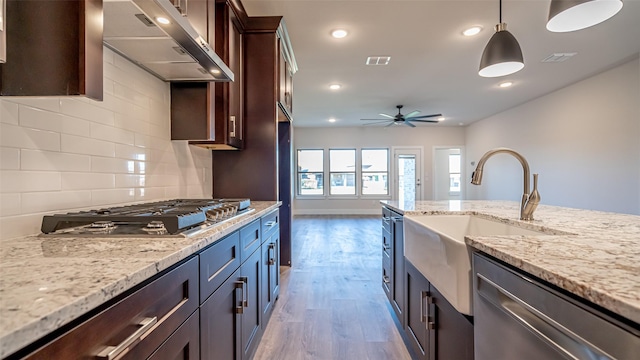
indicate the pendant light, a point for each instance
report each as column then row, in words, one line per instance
column 572, row 15
column 502, row 55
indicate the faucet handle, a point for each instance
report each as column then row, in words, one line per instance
column 532, row 201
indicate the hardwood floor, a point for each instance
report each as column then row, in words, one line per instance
column 331, row 303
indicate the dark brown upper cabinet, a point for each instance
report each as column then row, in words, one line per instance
column 211, row 115
column 54, row 48
column 286, row 68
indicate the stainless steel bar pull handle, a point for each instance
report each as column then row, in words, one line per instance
column 272, row 258
column 111, row 352
column 550, row 331
column 240, row 285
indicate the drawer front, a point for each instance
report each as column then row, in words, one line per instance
column 386, row 274
column 270, row 223
column 386, row 242
column 386, row 219
column 217, row 263
column 148, row 317
column 249, row 239
column 184, row 344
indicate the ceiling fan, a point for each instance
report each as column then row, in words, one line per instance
column 400, row 119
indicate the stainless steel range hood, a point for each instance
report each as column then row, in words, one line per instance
column 172, row 52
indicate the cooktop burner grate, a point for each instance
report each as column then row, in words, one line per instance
column 176, row 215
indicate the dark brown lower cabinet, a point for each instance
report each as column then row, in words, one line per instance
column 134, row 327
column 434, row 328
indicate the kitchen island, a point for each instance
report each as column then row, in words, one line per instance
column 47, row 282
column 600, row 263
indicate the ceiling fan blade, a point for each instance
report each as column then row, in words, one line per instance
column 375, row 123
column 390, row 124
column 375, row 119
column 410, row 124
column 426, row 116
column 411, row 114
column 427, row 121
column 387, row 115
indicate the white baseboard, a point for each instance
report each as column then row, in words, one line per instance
column 337, row 212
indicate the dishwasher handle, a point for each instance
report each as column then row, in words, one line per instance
column 550, row 331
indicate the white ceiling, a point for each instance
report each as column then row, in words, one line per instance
column 433, row 67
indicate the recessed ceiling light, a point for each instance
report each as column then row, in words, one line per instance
column 163, row 20
column 474, row 30
column 461, row 124
column 332, row 120
column 335, row 86
column 339, row 33
column 506, row 84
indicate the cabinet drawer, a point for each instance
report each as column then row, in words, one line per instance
column 147, row 318
column 270, row 223
column 249, row 240
column 386, row 273
column 386, row 219
column 184, row 344
column 217, row 263
column 386, row 242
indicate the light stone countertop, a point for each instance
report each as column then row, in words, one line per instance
column 47, row 281
column 600, row 263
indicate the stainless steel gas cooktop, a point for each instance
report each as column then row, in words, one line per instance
column 168, row 217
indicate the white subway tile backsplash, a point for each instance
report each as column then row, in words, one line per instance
column 81, row 145
column 26, row 138
column 61, row 154
column 87, row 109
column 111, row 134
column 87, row 181
column 9, row 113
column 76, row 126
column 131, row 181
column 54, row 161
column 9, row 158
column 40, row 119
column 112, row 165
column 44, row 103
column 9, row 204
column 60, row 201
column 15, row 181
column 112, row 196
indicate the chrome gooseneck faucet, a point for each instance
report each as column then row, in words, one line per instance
column 530, row 200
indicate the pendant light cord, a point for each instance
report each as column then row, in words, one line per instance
column 500, row 11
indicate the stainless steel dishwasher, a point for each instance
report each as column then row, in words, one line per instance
column 517, row 317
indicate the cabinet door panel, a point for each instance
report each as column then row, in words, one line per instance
column 220, row 322
column 397, row 273
column 250, row 272
column 270, row 286
column 184, row 344
column 454, row 331
column 417, row 290
column 249, row 239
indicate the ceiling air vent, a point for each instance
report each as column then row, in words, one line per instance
column 378, row 60
column 145, row 20
column 558, row 57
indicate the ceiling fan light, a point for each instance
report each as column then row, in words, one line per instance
column 572, row 15
column 502, row 55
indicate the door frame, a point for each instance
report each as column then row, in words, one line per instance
column 420, row 161
column 463, row 177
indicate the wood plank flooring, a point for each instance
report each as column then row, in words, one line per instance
column 331, row 303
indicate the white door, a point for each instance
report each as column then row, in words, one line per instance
column 408, row 174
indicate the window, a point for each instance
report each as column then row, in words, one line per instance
column 454, row 173
column 342, row 171
column 375, row 171
column 310, row 172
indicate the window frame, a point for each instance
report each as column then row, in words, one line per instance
column 354, row 172
column 323, row 172
column 362, row 173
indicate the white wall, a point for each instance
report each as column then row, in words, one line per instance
column 369, row 137
column 61, row 154
column 584, row 140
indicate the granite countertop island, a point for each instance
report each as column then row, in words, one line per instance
column 598, row 260
column 48, row 281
